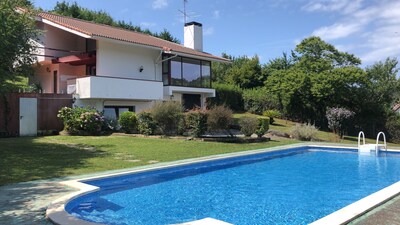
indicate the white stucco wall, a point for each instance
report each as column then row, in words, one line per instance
column 60, row 39
column 118, row 88
column 124, row 60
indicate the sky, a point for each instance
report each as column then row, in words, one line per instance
column 370, row 29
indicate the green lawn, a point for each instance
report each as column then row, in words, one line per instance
column 26, row 159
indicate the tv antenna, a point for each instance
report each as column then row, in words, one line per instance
column 185, row 15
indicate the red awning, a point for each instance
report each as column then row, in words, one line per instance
column 77, row 60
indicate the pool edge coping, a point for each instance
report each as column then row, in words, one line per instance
column 57, row 214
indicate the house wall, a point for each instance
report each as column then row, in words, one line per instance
column 123, row 60
column 44, row 76
column 60, row 39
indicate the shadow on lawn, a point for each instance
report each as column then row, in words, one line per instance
column 25, row 159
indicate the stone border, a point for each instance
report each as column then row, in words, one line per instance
column 57, row 214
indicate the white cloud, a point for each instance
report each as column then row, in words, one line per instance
column 337, row 30
column 209, row 31
column 147, row 24
column 372, row 27
column 159, row 4
column 216, row 14
column 344, row 6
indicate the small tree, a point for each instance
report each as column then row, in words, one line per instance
column 339, row 119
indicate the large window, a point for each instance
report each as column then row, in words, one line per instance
column 181, row 71
column 113, row 112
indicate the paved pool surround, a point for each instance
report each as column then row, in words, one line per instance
column 57, row 214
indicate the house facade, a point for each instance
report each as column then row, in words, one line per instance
column 116, row 70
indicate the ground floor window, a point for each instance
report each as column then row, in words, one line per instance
column 191, row 101
column 113, row 112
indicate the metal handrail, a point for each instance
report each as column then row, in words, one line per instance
column 359, row 139
column 377, row 141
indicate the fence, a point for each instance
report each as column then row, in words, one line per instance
column 47, row 108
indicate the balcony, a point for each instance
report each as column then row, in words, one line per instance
column 102, row 87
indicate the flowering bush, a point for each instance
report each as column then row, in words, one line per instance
column 339, row 120
column 91, row 122
column 146, row 124
column 79, row 119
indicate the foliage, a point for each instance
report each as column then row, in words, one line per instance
column 196, row 121
column 263, row 126
column 128, row 122
column 91, row 122
column 258, row 100
column 167, row 115
column 244, row 72
column 273, row 113
column 339, row 119
column 227, row 94
column 18, row 29
column 146, row 123
column 393, row 128
column 102, row 17
column 110, row 124
column 219, row 118
column 304, row 132
column 248, row 125
column 81, row 119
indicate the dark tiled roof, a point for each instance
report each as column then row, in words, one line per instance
column 98, row 30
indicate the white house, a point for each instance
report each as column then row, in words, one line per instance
column 116, row 70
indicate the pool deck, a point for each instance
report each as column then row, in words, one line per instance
column 26, row 203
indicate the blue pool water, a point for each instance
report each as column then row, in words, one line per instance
column 295, row 186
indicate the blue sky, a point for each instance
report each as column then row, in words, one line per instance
column 370, row 29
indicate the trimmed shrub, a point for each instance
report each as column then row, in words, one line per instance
column 248, row 125
column 128, row 122
column 263, row 126
column 167, row 115
column 146, row 124
column 304, row 132
column 393, row 128
column 339, row 120
column 228, row 95
column 272, row 114
column 258, row 100
column 196, row 122
column 219, row 118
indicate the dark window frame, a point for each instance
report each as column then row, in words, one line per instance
column 116, row 108
column 169, row 72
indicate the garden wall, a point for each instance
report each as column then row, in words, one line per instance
column 47, row 108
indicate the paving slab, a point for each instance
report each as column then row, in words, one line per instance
column 26, row 203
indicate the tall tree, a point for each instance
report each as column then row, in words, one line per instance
column 17, row 31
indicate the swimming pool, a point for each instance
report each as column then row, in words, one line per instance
column 291, row 186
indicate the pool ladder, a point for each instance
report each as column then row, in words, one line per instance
column 367, row 148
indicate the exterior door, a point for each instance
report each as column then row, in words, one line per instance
column 27, row 116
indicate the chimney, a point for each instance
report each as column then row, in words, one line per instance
column 193, row 36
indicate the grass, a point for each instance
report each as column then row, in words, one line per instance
column 26, row 159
